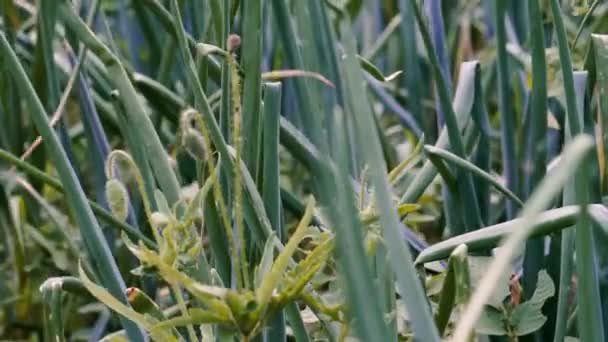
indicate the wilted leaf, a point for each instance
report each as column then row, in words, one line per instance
column 532, row 321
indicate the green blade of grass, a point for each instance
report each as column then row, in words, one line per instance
column 535, row 149
column 472, row 217
column 507, row 116
column 294, row 58
column 482, row 156
column 550, row 221
column 600, row 50
column 411, row 64
column 91, row 232
column 165, row 19
column 271, row 190
column 568, row 237
column 142, row 127
column 46, row 30
column 353, row 263
column 464, row 100
column 590, row 314
column 13, row 129
column 470, row 167
column 324, row 36
column 401, row 259
column 251, row 62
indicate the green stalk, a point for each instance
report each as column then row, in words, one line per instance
column 271, row 191
column 254, row 214
column 306, row 98
column 413, row 77
column 139, row 121
column 567, row 237
column 168, row 22
column 535, row 157
column 401, row 259
column 472, row 216
column 590, row 312
column 548, row 222
column 472, row 168
column 351, row 259
column 237, row 142
column 95, row 243
column 507, row 115
column 251, row 62
column 464, row 100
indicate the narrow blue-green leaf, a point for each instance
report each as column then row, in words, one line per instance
column 590, row 314
column 270, row 186
column 294, row 59
column 600, row 49
column 472, row 218
column 463, row 103
column 534, row 162
column 549, row 222
column 271, row 190
column 507, row 115
column 351, row 258
column 470, row 167
column 46, row 31
column 91, row 232
column 413, row 78
column 401, row 259
column 251, row 62
column 138, row 119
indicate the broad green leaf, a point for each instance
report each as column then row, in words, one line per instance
column 531, row 322
column 528, row 317
column 491, row 322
